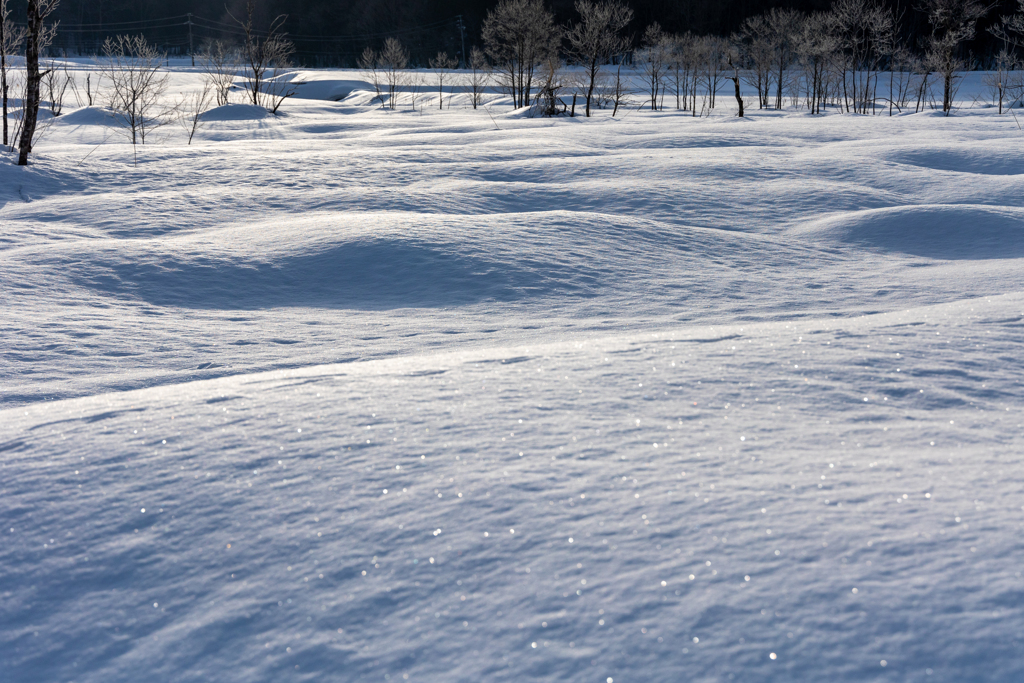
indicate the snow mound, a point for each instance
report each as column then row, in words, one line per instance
column 236, row 112
column 370, row 274
column 332, row 90
column 940, row 231
column 375, row 261
column 87, row 116
column 976, row 158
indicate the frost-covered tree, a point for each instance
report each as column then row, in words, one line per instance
column 865, row 31
column 519, row 36
column 714, row 52
column 596, row 38
column 953, row 23
column 783, row 30
column 442, row 65
column 1007, row 82
column 758, row 55
column 817, row 52
column 653, row 58
column 392, row 60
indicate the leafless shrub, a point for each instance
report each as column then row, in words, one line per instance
column 371, row 72
column 192, row 108
column 619, row 90
column 56, row 81
column 132, row 66
column 480, row 75
column 220, row 64
column 1005, row 80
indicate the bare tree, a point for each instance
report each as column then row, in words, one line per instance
column 220, row 63
column 1004, row 81
column 1010, row 32
column 693, row 56
column 715, row 53
column 133, row 68
column 676, row 67
column 953, row 23
column 783, row 30
column 619, row 90
column 732, row 61
column 263, row 54
column 11, row 36
column 519, row 35
column 480, row 74
column 903, row 65
column 442, row 65
column 192, row 108
column 758, row 54
column 866, row 32
column 371, row 71
column 816, row 50
column 393, row 59
column 551, row 83
column 653, row 57
column 37, row 36
column 596, row 38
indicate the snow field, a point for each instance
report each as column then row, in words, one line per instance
column 779, row 355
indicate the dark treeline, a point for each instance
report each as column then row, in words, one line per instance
column 334, row 32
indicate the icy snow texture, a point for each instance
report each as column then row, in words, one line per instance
column 529, row 376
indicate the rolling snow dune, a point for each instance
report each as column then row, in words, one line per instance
column 938, row 232
column 352, row 393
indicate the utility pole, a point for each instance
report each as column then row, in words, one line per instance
column 190, row 52
column 462, row 34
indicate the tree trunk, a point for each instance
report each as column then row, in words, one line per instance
column 32, row 78
column 3, row 75
column 590, row 88
column 739, row 100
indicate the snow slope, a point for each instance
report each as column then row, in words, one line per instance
column 351, row 394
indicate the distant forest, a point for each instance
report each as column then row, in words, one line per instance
column 334, row 32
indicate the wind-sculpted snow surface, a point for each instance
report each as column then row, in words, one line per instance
column 354, row 394
column 764, row 501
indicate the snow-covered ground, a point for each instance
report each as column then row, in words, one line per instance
column 352, row 394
